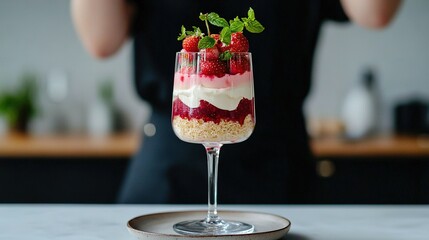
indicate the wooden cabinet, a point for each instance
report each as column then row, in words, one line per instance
column 63, row 169
column 60, row 179
column 382, row 170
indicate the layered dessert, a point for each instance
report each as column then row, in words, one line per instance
column 213, row 99
column 208, row 108
column 213, row 103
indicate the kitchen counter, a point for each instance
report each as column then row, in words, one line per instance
column 382, row 169
column 380, row 146
column 19, row 145
column 126, row 144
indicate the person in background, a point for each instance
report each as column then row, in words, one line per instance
column 275, row 164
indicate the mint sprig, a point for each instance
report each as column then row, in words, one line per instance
column 251, row 24
column 236, row 25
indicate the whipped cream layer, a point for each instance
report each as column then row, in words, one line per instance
column 224, row 93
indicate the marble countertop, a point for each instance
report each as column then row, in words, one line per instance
column 94, row 222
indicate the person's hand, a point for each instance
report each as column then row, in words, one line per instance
column 374, row 14
column 102, row 25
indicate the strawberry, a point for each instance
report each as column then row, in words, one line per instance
column 210, row 53
column 238, row 43
column 213, row 68
column 239, row 64
column 190, row 43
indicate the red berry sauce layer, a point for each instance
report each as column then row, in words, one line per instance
column 207, row 112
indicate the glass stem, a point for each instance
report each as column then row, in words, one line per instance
column 212, row 167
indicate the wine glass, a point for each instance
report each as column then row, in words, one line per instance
column 213, row 104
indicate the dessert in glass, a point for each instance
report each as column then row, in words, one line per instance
column 213, row 104
column 212, row 110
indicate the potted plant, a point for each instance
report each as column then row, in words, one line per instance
column 18, row 107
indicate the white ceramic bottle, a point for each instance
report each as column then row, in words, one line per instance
column 3, row 126
column 99, row 122
column 100, row 112
column 360, row 108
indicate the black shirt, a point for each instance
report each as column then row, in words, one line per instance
column 282, row 64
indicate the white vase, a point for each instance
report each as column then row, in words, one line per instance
column 359, row 111
column 3, row 126
column 99, row 122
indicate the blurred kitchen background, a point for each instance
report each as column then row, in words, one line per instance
column 368, row 110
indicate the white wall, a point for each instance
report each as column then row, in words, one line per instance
column 399, row 53
column 38, row 35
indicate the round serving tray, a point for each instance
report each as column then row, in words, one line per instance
column 159, row 226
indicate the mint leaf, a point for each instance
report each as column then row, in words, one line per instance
column 214, row 19
column 225, row 56
column 254, row 26
column 237, row 26
column 206, row 42
column 212, row 15
column 225, row 35
column 182, row 34
column 251, row 14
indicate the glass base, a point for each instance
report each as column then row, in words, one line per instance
column 221, row 227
